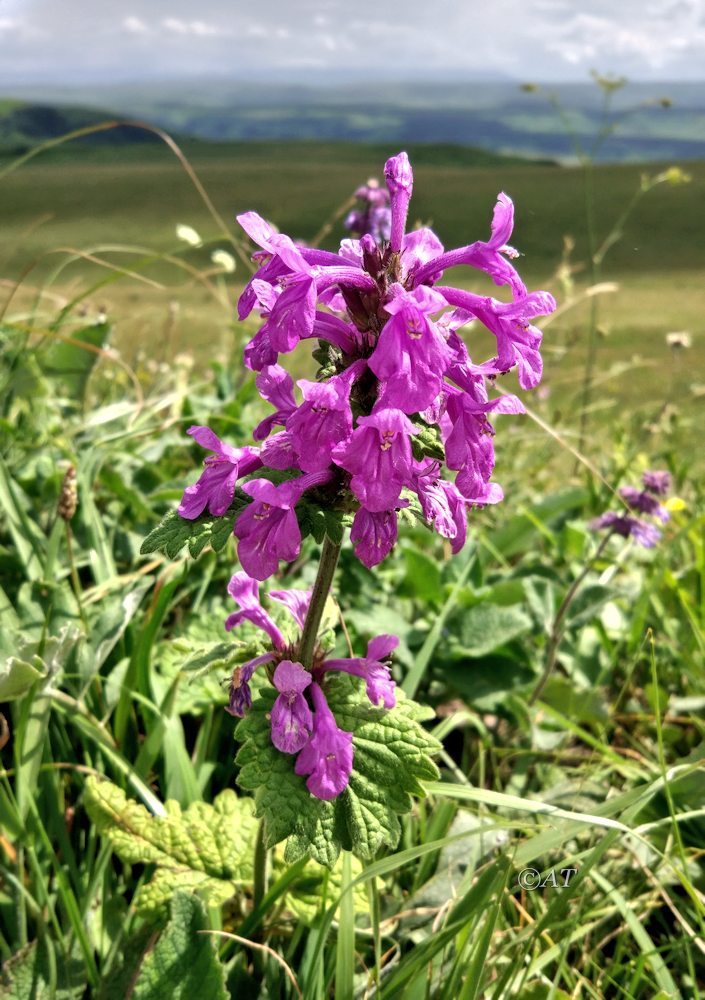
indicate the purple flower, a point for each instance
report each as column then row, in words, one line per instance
column 295, row 601
column 443, row 505
column 644, row 503
column 294, row 313
column 245, row 591
column 518, row 342
column 276, row 386
column 400, row 182
column 657, row 482
column 373, row 669
column 489, row 256
column 411, row 355
column 268, row 529
column 628, row 527
column 374, row 535
column 278, row 452
column 378, row 456
column 216, row 487
column 328, row 756
column 373, row 217
column 292, row 720
column 240, row 693
column 323, row 420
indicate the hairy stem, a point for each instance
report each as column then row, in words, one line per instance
column 319, row 595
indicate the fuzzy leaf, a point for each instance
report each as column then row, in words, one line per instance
column 206, row 849
column 184, row 962
column 173, row 531
column 391, row 758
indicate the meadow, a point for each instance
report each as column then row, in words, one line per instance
column 565, row 675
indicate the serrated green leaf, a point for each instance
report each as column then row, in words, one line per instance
column 173, row 531
column 184, row 962
column 392, row 755
column 206, row 848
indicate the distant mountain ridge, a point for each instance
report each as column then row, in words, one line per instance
column 658, row 122
column 24, row 125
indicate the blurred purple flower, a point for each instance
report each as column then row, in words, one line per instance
column 657, row 482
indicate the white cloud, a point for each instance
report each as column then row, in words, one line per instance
column 197, row 29
column 135, row 26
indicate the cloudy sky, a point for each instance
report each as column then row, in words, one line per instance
column 79, row 41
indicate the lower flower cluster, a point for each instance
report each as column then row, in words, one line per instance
column 302, row 722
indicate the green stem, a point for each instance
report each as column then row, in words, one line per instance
column 319, row 595
column 260, row 873
column 557, row 629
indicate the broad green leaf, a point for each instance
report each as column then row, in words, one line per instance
column 206, row 849
column 184, row 962
column 173, row 531
column 391, row 758
column 485, row 627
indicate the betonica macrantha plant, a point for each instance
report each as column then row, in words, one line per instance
column 399, row 415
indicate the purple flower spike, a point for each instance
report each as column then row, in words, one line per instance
column 375, row 672
column 657, row 482
column 373, row 535
column 292, row 719
column 379, row 457
column 400, row 182
column 216, row 487
column 328, row 755
column 240, row 693
column 245, row 591
column 411, row 355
